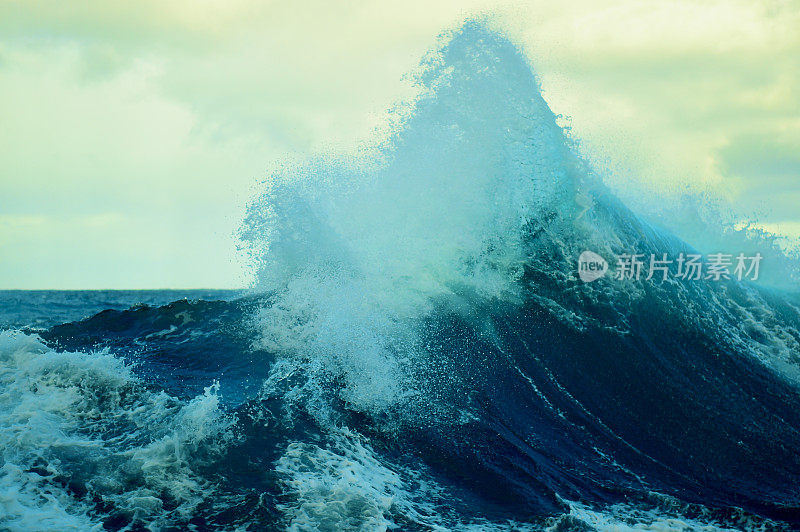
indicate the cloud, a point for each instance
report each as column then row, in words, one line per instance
column 168, row 113
column 680, row 94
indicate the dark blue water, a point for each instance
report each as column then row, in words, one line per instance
column 561, row 427
column 45, row 308
column 419, row 354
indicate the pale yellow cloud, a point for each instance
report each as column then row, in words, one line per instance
column 168, row 113
column 664, row 93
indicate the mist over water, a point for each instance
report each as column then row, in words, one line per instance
column 356, row 252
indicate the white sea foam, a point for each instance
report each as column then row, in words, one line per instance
column 343, row 484
column 665, row 515
column 356, row 253
column 78, row 429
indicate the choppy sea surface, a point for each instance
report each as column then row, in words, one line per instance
column 417, row 353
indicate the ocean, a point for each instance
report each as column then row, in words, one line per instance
column 418, row 352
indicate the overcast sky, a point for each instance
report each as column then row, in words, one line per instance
column 133, row 133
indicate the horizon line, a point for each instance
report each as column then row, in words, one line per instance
column 117, row 289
